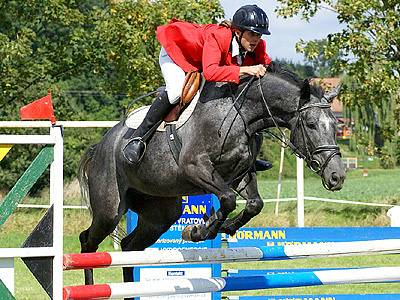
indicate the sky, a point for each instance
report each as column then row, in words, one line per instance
column 285, row 33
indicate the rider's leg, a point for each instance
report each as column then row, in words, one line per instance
column 134, row 150
column 174, row 78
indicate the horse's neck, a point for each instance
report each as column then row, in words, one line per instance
column 259, row 106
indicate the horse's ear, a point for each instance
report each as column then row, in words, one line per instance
column 329, row 96
column 305, row 93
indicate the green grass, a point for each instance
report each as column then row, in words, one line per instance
column 381, row 186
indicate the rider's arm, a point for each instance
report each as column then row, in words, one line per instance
column 215, row 51
column 257, row 70
column 261, row 60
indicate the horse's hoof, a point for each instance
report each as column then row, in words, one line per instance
column 190, row 232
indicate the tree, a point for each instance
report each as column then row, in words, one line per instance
column 367, row 51
column 323, row 66
column 40, row 44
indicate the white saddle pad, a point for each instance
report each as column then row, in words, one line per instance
column 136, row 117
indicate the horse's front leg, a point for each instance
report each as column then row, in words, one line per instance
column 200, row 171
column 247, row 188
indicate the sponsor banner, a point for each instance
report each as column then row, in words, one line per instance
column 177, row 272
column 276, row 236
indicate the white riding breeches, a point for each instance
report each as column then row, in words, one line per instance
column 174, row 76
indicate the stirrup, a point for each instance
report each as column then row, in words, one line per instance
column 140, row 140
column 144, row 145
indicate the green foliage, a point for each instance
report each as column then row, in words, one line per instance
column 322, row 65
column 40, row 43
column 367, row 51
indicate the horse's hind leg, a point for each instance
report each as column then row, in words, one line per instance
column 155, row 216
column 90, row 239
column 247, row 188
column 106, row 214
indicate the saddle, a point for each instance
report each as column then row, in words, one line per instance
column 190, row 88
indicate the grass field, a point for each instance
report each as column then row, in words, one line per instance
column 381, row 186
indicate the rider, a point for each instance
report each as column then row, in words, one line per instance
column 222, row 52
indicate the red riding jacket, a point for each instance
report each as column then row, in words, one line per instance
column 206, row 48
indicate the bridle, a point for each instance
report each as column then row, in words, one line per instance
column 314, row 164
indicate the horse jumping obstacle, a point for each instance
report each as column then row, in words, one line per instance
column 221, row 284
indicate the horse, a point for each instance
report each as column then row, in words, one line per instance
column 219, row 145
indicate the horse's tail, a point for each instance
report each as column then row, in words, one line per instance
column 83, row 175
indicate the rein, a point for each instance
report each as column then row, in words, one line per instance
column 314, row 164
column 235, row 104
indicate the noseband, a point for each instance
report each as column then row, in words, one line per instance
column 314, row 164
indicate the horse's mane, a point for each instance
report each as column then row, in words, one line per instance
column 225, row 89
column 277, row 70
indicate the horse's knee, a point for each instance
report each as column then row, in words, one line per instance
column 254, row 206
column 228, row 202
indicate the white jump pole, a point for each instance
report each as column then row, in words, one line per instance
column 214, row 255
column 300, row 192
column 225, row 284
column 57, row 199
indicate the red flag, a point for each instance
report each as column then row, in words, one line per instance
column 39, row 110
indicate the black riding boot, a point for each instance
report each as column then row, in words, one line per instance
column 262, row 165
column 136, row 147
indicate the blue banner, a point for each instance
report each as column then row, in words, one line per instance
column 281, row 236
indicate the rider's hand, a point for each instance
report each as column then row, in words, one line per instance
column 257, row 70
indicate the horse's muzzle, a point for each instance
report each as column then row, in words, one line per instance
column 334, row 181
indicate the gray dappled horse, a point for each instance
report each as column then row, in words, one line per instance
column 219, row 147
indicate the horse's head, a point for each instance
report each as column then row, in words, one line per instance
column 313, row 134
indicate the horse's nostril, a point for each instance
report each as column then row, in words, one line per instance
column 334, row 179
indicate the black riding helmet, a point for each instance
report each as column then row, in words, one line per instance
column 251, row 17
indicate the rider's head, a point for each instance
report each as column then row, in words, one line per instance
column 249, row 23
